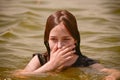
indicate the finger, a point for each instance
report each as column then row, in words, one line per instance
column 66, row 46
column 70, row 53
column 62, row 62
column 70, row 48
column 54, row 48
column 60, row 68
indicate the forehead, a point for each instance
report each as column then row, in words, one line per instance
column 60, row 29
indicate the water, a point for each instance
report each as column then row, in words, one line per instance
column 22, row 28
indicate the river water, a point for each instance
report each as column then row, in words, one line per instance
column 22, row 28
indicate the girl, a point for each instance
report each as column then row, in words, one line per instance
column 62, row 41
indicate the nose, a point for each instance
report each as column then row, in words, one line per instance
column 60, row 45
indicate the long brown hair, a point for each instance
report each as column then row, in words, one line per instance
column 70, row 23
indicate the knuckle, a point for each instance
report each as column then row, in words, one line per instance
column 68, row 48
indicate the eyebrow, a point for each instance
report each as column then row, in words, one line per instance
column 63, row 36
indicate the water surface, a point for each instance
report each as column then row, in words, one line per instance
column 22, row 28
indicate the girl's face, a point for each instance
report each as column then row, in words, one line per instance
column 59, row 35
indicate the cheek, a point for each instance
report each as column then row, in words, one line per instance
column 68, row 42
column 71, row 42
column 51, row 44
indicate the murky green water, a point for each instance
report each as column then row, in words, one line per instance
column 22, row 28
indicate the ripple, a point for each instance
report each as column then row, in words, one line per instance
column 35, row 2
column 22, row 28
column 8, row 35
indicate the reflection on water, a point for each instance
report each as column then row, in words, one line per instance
column 22, row 28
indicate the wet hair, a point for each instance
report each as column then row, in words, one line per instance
column 70, row 23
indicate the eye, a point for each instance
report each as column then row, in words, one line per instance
column 66, row 39
column 53, row 39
